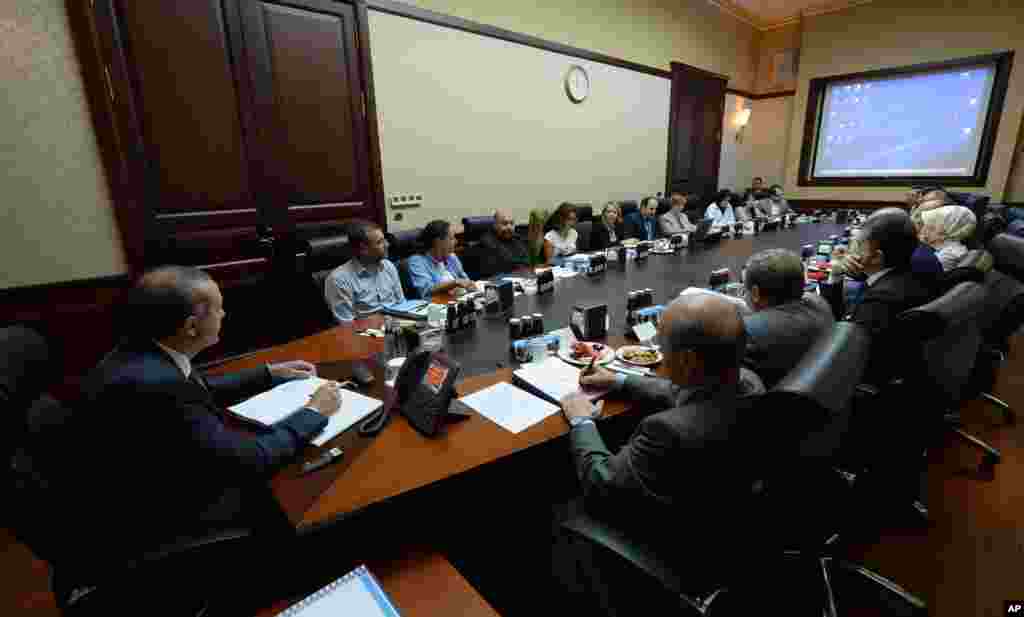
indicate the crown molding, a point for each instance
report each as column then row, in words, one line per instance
column 731, row 8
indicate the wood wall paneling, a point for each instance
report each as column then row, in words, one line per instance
column 695, row 130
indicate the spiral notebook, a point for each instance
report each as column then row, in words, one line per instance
column 357, row 594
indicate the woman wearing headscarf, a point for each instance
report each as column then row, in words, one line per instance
column 945, row 229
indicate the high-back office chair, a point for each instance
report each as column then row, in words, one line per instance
column 793, row 518
column 583, row 232
column 628, row 207
column 1008, row 253
column 323, row 255
column 403, row 244
column 952, row 339
column 1003, row 315
column 45, row 507
column 474, row 227
column 584, row 213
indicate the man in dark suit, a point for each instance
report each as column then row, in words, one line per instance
column 643, row 225
column 786, row 321
column 500, row 250
column 881, row 255
column 682, row 471
column 148, row 415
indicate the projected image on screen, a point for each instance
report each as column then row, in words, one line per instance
column 928, row 124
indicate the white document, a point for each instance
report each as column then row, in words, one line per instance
column 277, row 403
column 509, row 407
column 555, row 379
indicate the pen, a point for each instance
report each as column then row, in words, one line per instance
column 322, row 461
column 590, row 369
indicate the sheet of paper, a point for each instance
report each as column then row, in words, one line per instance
column 555, row 379
column 509, row 407
column 274, row 404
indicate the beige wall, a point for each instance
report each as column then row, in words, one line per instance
column 56, row 223
column 904, row 32
column 769, row 132
column 473, row 123
column 734, row 171
column 771, row 42
column 651, row 32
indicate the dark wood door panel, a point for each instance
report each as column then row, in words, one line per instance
column 308, row 103
column 187, row 104
column 695, row 130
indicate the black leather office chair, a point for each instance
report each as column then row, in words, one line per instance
column 323, row 255
column 583, row 231
column 403, row 244
column 951, row 334
column 802, row 504
column 405, row 277
column 1008, row 253
column 584, row 213
column 628, row 207
column 1003, row 315
column 474, row 227
column 45, row 507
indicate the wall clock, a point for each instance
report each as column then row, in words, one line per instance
column 577, row 84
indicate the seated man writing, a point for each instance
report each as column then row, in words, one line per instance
column 786, row 321
column 146, row 410
column 681, row 464
column 500, row 249
column 367, row 282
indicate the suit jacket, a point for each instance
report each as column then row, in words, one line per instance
column 155, row 445
column 779, row 336
column 600, row 239
column 667, row 460
column 635, row 228
column 893, row 293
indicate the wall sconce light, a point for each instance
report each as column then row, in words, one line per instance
column 742, row 118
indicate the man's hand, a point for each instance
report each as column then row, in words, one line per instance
column 853, row 265
column 293, row 369
column 576, row 405
column 466, row 284
column 326, row 399
column 600, row 378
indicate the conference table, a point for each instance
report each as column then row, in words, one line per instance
column 400, row 460
column 384, row 478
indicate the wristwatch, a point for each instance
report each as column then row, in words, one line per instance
column 579, row 421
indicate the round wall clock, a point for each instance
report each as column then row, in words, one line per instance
column 577, row 84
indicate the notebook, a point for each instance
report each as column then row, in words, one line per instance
column 357, row 594
column 410, row 309
column 277, row 403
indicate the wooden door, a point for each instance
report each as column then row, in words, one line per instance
column 182, row 99
column 695, row 131
column 306, row 111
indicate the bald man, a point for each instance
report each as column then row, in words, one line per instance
column 703, row 339
column 500, row 250
column 161, row 460
column 680, row 479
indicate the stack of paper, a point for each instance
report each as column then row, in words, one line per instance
column 509, row 407
column 277, row 403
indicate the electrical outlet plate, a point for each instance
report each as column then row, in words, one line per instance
column 402, row 201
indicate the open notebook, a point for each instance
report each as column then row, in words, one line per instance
column 357, row 594
column 275, row 404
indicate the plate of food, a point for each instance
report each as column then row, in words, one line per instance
column 581, row 353
column 630, row 242
column 639, row 355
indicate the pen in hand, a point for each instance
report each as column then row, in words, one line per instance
column 588, row 371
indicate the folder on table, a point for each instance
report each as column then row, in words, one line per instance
column 356, row 593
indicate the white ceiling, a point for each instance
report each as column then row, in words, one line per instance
column 768, row 14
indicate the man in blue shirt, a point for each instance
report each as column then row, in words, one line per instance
column 368, row 281
column 643, row 225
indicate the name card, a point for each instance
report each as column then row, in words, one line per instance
column 645, row 331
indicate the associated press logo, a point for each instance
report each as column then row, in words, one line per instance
column 1014, row 608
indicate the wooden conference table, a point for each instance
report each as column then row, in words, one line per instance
column 399, row 460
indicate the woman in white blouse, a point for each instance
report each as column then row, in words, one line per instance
column 561, row 241
column 945, row 229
